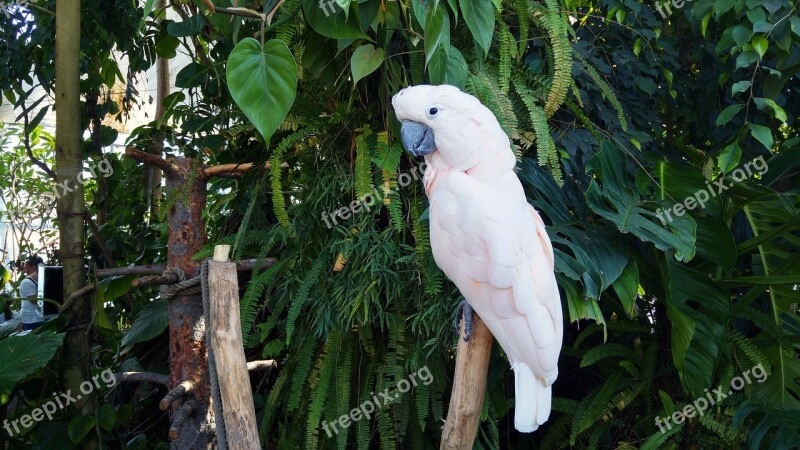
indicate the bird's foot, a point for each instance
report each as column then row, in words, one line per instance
column 464, row 309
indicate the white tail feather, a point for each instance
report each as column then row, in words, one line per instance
column 533, row 399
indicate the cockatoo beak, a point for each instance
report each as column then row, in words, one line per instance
column 417, row 138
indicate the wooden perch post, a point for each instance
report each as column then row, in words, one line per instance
column 226, row 341
column 469, row 387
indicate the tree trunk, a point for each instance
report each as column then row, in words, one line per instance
column 187, row 346
column 152, row 174
column 76, row 353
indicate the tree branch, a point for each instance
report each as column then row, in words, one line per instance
column 234, row 169
column 242, row 266
column 28, row 149
column 253, row 366
column 156, row 378
column 152, row 160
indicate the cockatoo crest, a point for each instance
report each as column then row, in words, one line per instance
column 467, row 134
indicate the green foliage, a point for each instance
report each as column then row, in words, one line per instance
column 263, row 82
column 24, row 355
column 656, row 111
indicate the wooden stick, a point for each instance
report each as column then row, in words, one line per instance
column 157, row 378
column 183, row 388
column 226, row 340
column 130, row 270
column 234, row 169
column 155, row 281
column 152, row 160
column 242, row 266
column 250, row 264
column 469, row 387
column 180, row 417
column 254, row 366
column 75, row 295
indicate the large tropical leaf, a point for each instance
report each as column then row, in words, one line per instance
column 611, row 195
column 24, row 355
column 263, row 82
column 698, row 310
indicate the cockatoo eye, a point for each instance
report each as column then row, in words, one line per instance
column 432, row 112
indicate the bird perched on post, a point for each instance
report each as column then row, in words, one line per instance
column 486, row 237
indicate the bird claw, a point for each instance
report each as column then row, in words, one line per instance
column 464, row 309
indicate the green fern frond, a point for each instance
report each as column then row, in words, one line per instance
column 305, row 358
column 606, row 90
column 508, row 52
column 523, row 9
column 562, row 60
column 483, row 86
column 275, row 170
column 302, row 294
column 546, row 152
column 363, row 173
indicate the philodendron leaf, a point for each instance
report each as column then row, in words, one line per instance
column 366, row 59
column 263, row 82
column 151, row 321
column 23, row 355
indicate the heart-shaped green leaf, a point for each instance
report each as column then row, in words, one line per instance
column 263, row 82
column 365, row 60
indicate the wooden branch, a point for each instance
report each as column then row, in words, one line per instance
column 74, row 296
column 226, row 341
column 130, row 270
column 152, row 160
column 29, row 151
column 234, row 169
column 180, row 417
column 184, row 388
column 469, row 387
column 250, row 264
column 241, row 266
column 156, row 378
column 254, row 366
column 155, row 281
column 226, row 169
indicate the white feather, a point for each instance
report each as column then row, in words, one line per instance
column 489, row 241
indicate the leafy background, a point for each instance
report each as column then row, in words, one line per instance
column 613, row 112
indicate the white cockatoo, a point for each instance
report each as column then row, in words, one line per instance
column 486, row 237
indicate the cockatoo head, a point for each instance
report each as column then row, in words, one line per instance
column 455, row 124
